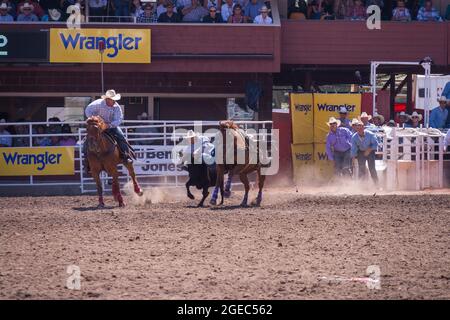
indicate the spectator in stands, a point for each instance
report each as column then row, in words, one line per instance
column 263, row 18
column 149, row 15
column 12, row 8
column 169, row 16
column 252, row 9
column 378, row 120
column 37, row 9
column 403, row 118
column 41, row 141
column 438, row 116
column 338, row 146
column 213, row 3
column 27, row 14
column 54, row 128
column 345, row 122
column 97, row 8
column 121, row 8
column 315, row 10
column 227, row 9
column 428, row 12
column 136, row 8
column 162, row 7
column 4, row 15
column 7, row 140
column 67, row 140
column 415, row 120
column 343, row 8
column 54, row 141
column 21, row 130
column 391, row 123
column 238, row 15
column 357, row 11
column 328, row 10
column 194, row 13
column 401, row 13
column 297, row 9
column 364, row 145
column 213, row 16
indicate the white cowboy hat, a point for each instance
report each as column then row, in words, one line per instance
column 54, row 14
column 143, row 115
column 442, row 98
column 403, row 114
column 2, row 120
column 190, row 134
column 111, row 94
column 4, row 6
column 333, row 120
column 365, row 115
column 378, row 116
column 356, row 122
column 415, row 114
column 343, row 110
column 26, row 5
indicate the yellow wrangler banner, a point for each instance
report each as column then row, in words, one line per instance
column 302, row 117
column 323, row 167
column 82, row 45
column 38, row 161
column 302, row 161
column 327, row 105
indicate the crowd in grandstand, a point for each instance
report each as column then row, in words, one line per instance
column 162, row 11
column 397, row 10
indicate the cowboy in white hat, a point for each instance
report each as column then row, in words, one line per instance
column 364, row 145
column 365, row 118
column 403, row 118
column 27, row 13
column 345, row 122
column 378, row 120
column 263, row 17
column 354, row 123
column 338, row 146
column 110, row 111
column 4, row 15
column 439, row 115
column 415, row 119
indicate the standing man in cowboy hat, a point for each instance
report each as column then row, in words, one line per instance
column 338, row 147
column 439, row 115
column 109, row 110
column 365, row 118
column 345, row 122
column 364, row 145
column 378, row 120
column 415, row 120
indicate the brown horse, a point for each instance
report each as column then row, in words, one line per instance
column 229, row 129
column 103, row 154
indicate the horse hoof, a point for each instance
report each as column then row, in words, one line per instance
column 140, row 193
column 200, row 205
column 213, row 202
column 244, row 205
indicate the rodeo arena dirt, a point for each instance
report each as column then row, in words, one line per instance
column 141, row 159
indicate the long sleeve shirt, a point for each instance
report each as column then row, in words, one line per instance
column 446, row 91
column 369, row 140
column 432, row 15
column 111, row 115
column 438, row 117
column 338, row 141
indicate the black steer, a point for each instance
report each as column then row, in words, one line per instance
column 202, row 177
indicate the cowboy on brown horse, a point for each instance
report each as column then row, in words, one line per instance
column 105, row 146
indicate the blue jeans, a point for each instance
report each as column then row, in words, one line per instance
column 342, row 162
column 370, row 162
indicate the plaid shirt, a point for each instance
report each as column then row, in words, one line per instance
column 425, row 15
column 111, row 115
column 144, row 19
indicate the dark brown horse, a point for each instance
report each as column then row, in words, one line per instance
column 229, row 129
column 103, row 154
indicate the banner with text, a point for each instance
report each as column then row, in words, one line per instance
column 302, row 118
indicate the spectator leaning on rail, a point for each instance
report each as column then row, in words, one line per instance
column 415, row 120
column 401, row 13
column 4, row 15
column 263, row 18
column 364, row 145
column 338, row 145
column 169, row 16
column 5, row 135
column 439, row 115
column 109, row 110
column 213, row 16
column 428, row 12
column 162, row 7
column 403, row 119
column 12, row 8
column 345, row 122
